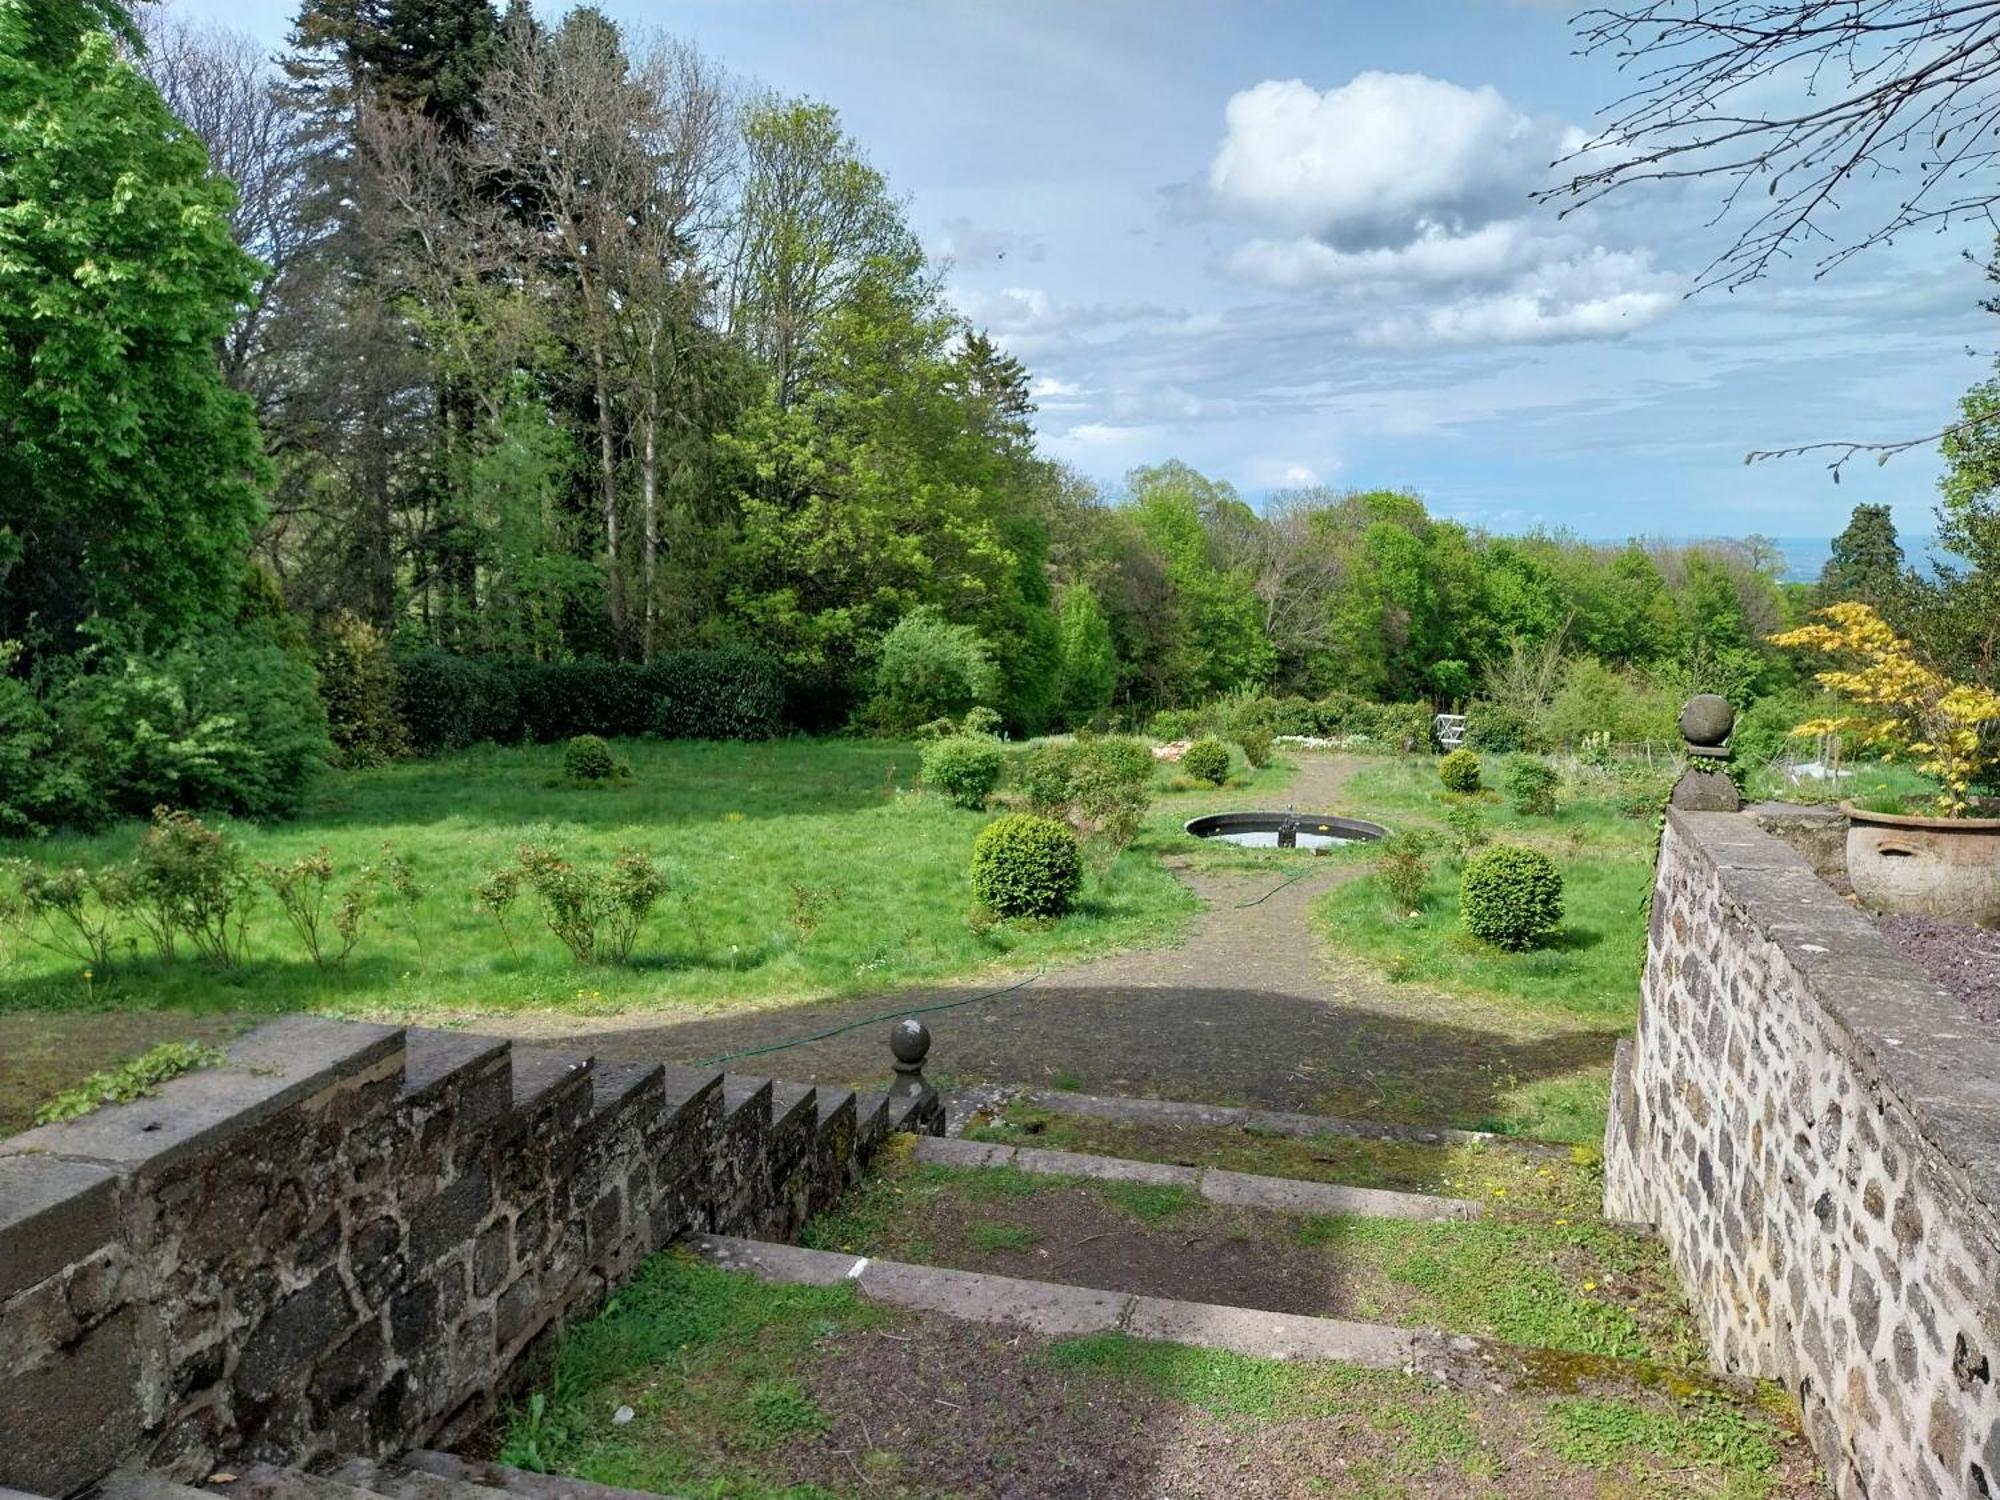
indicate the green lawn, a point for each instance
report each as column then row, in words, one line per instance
column 754, row 839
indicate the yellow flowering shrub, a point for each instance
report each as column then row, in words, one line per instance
column 1903, row 708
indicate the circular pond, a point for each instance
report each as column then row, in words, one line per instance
column 1283, row 830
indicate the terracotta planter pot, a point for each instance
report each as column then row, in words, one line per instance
column 1925, row 867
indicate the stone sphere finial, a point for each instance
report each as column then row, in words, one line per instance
column 1706, row 720
column 910, row 1042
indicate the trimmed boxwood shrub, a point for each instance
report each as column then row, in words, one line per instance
column 1511, row 898
column 1025, row 866
column 1459, row 771
column 1207, row 760
column 965, row 767
column 588, row 758
column 1531, row 786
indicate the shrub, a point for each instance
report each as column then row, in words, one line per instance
column 724, row 693
column 1496, row 727
column 1511, row 897
column 1100, row 787
column 360, row 689
column 596, row 914
column 1207, row 759
column 302, row 888
column 1174, row 724
column 929, row 668
column 1459, row 771
column 69, row 912
column 188, row 880
column 588, row 758
column 1531, row 786
column 1025, row 866
column 1402, row 727
column 229, row 720
column 1403, row 862
column 563, row 699
column 964, row 767
column 449, row 702
column 1256, row 745
column 42, row 783
column 981, row 720
column 1468, row 827
column 1763, row 731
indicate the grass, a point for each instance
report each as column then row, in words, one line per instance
column 798, row 869
column 137, row 1077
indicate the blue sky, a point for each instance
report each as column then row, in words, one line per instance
column 1292, row 241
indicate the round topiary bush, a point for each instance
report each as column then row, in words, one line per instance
column 1459, row 771
column 1256, row 745
column 1207, row 759
column 1531, row 786
column 588, row 758
column 1511, row 898
column 1025, row 866
column 964, row 767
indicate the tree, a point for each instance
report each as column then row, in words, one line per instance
column 1866, row 566
column 815, row 222
column 1089, row 660
column 1215, row 641
column 128, row 469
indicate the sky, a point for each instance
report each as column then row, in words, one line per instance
column 1292, row 243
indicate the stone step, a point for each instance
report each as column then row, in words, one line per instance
column 1135, row 1111
column 516, row 1482
column 126, row 1484
column 7, row 1494
column 552, row 1091
column 270, row 1482
column 1058, row 1310
column 396, row 1481
column 1234, row 1189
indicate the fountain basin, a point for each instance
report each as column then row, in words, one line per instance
column 1263, row 830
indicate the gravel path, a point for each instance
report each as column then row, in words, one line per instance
column 1965, row 960
column 1250, row 1010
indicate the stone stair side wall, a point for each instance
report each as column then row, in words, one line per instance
column 343, row 1240
column 1814, row 1127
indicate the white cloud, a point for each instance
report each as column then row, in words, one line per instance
column 1602, row 294
column 1410, row 196
column 1049, row 388
column 973, row 244
column 1373, row 160
column 1434, row 255
column 1031, row 323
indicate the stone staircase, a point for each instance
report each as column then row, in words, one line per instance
column 1067, row 1309
column 417, row 1475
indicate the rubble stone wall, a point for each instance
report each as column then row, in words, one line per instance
column 343, row 1239
column 1814, row 1127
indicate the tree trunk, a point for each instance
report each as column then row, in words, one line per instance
column 649, row 469
column 607, row 466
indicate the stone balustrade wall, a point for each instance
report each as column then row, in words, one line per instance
column 345, row 1238
column 1814, row 1127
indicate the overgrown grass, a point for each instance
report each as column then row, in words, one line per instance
column 881, row 872
column 1606, row 858
column 136, row 1078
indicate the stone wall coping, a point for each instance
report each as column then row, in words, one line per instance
column 267, row 1071
column 52, row 1213
column 1904, row 1032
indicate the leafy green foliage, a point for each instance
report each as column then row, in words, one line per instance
column 138, row 1078
column 189, row 880
column 595, row 914
column 303, row 886
column 1403, row 865
column 449, row 702
column 359, row 689
column 930, row 669
column 1530, row 784
column 69, row 912
column 1495, row 726
column 1256, row 743
column 1207, row 760
column 130, row 467
column 1511, row 897
column 587, row 758
column 1100, row 787
column 1089, row 659
column 1459, row 771
column 1025, row 866
column 965, row 767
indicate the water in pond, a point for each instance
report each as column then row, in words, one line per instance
column 1267, row 830
column 1257, row 838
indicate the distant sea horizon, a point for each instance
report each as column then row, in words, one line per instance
column 1806, row 556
